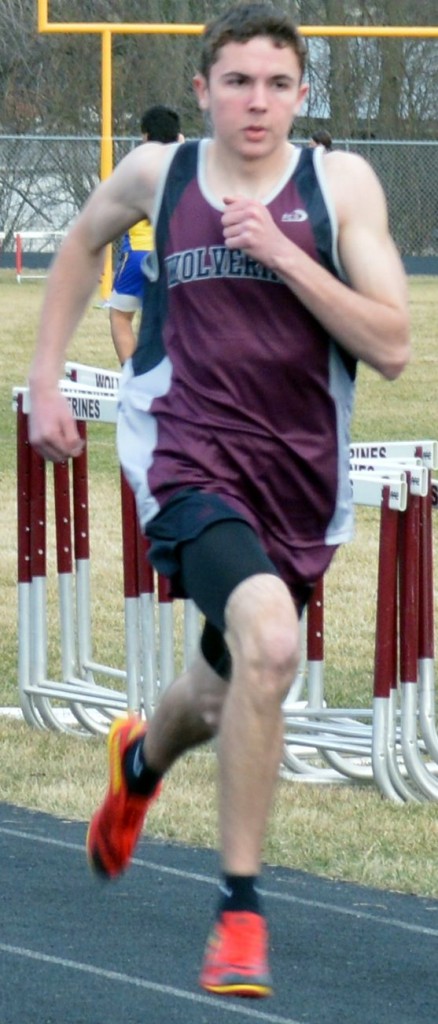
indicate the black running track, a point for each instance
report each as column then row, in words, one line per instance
column 77, row 951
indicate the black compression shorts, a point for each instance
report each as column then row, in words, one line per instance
column 207, row 549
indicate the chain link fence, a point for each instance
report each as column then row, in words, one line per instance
column 44, row 181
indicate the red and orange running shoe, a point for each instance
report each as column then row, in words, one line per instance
column 115, row 827
column 236, row 958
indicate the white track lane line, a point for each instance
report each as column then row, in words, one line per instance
column 281, row 897
column 166, row 990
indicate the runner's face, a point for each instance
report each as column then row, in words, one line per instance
column 253, row 94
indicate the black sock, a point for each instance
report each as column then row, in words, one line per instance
column 138, row 776
column 239, row 892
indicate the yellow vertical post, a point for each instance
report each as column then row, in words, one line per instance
column 43, row 15
column 106, row 154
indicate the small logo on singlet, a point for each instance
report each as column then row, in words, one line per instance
column 295, row 215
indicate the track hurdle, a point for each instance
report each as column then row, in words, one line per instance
column 93, row 376
column 395, row 746
column 143, row 651
column 343, row 737
column 76, row 688
column 41, row 237
column 142, row 588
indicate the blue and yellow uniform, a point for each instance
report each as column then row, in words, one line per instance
column 129, row 280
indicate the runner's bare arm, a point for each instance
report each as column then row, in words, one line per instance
column 369, row 317
column 118, row 203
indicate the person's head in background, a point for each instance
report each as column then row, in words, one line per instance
column 160, row 124
column 321, row 137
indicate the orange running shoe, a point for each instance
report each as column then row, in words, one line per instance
column 115, row 827
column 236, row 960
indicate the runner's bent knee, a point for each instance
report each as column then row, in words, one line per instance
column 263, row 634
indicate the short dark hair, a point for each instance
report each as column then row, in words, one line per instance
column 322, row 138
column 160, row 124
column 246, row 21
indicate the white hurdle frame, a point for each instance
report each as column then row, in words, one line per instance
column 78, row 686
column 19, row 237
column 388, row 744
column 344, row 737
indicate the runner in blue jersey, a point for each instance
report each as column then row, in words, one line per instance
column 158, row 124
column 274, row 273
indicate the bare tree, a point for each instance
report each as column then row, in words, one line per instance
column 382, row 87
column 50, row 85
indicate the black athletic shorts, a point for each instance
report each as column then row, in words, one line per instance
column 206, row 549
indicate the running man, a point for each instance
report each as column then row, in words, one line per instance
column 274, row 273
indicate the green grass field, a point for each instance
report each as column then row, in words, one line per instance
column 347, row 832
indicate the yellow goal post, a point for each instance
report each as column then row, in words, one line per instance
column 106, row 30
